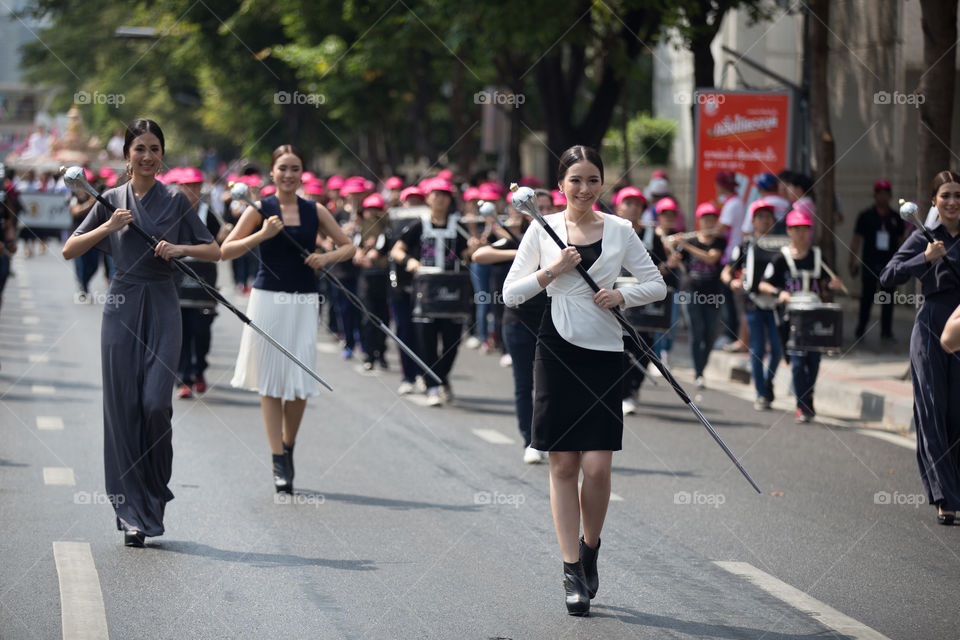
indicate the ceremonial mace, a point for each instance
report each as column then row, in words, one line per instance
column 525, row 200
column 75, row 180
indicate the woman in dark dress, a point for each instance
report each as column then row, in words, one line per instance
column 578, row 366
column 140, row 336
column 936, row 373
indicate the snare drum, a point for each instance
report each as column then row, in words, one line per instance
column 655, row 316
column 814, row 327
column 442, row 294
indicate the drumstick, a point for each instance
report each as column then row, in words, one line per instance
column 831, row 273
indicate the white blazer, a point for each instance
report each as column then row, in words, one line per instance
column 576, row 316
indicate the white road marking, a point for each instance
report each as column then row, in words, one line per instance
column 907, row 442
column 328, row 347
column 59, row 475
column 34, row 337
column 27, row 306
column 615, row 497
column 82, row 614
column 42, row 389
column 39, row 358
column 30, row 320
column 821, row 612
column 50, row 423
column 26, row 294
column 493, row 436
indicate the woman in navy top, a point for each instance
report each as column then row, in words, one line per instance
column 284, row 303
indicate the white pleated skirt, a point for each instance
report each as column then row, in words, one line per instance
column 291, row 319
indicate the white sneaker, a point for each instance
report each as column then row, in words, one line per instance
column 652, row 369
column 419, row 385
column 701, row 383
column 446, row 393
column 405, row 388
column 629, row 406
column 433, row 397
column 473, row 342
column 532, row 456
column 506, row 361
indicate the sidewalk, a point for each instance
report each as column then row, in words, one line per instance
column 868, row 383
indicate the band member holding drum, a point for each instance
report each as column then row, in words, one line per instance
column 197, row 309
column 797, row 273
column 435, row 243
column 936, row 374
column 744, row 273
column 579, row 357
column 701, row 254
column 284, row 302
column 140, row 337
column 520, row 326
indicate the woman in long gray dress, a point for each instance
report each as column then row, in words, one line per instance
column 140, row 335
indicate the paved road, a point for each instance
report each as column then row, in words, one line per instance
column 418, row 522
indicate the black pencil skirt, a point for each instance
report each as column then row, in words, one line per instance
column 577, row 395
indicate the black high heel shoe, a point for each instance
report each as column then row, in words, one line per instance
column 575, row 588
column 946, row 518
column 588, row 557
column 281, row 474
column 288, row 451
column 134, row 538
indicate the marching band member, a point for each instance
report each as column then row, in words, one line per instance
column 437, row 243
column 744, row 273
column 372, row 240
column 936, row 374
column 284, row 302
column 579, row 357
column 798, row 270
column 140, row 336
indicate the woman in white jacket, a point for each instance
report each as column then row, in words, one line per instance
column 579, row 364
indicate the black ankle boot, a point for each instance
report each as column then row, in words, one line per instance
column 288, row 451
column 281, row 474
column 588, row 557
column 575, row 587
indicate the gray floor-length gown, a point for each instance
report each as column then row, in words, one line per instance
column 140, row 347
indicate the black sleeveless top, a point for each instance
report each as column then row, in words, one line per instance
column 281, row 265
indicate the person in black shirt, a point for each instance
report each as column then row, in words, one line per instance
column 702, row 256
column 520, row 327
column 670, row 264
column 436, row 242
column 880, row 232
column 9, row 206
column 785, row 277
column 372, row 238
column 743, row 273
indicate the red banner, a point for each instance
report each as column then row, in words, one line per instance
column 747, row 132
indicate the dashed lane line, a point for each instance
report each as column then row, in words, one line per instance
column 50, row 423
column 493, row 436
column 82, row 615
column 821, row 612
column 62, row 476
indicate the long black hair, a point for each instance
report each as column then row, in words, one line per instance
column 136, row 129
column 579, row 153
